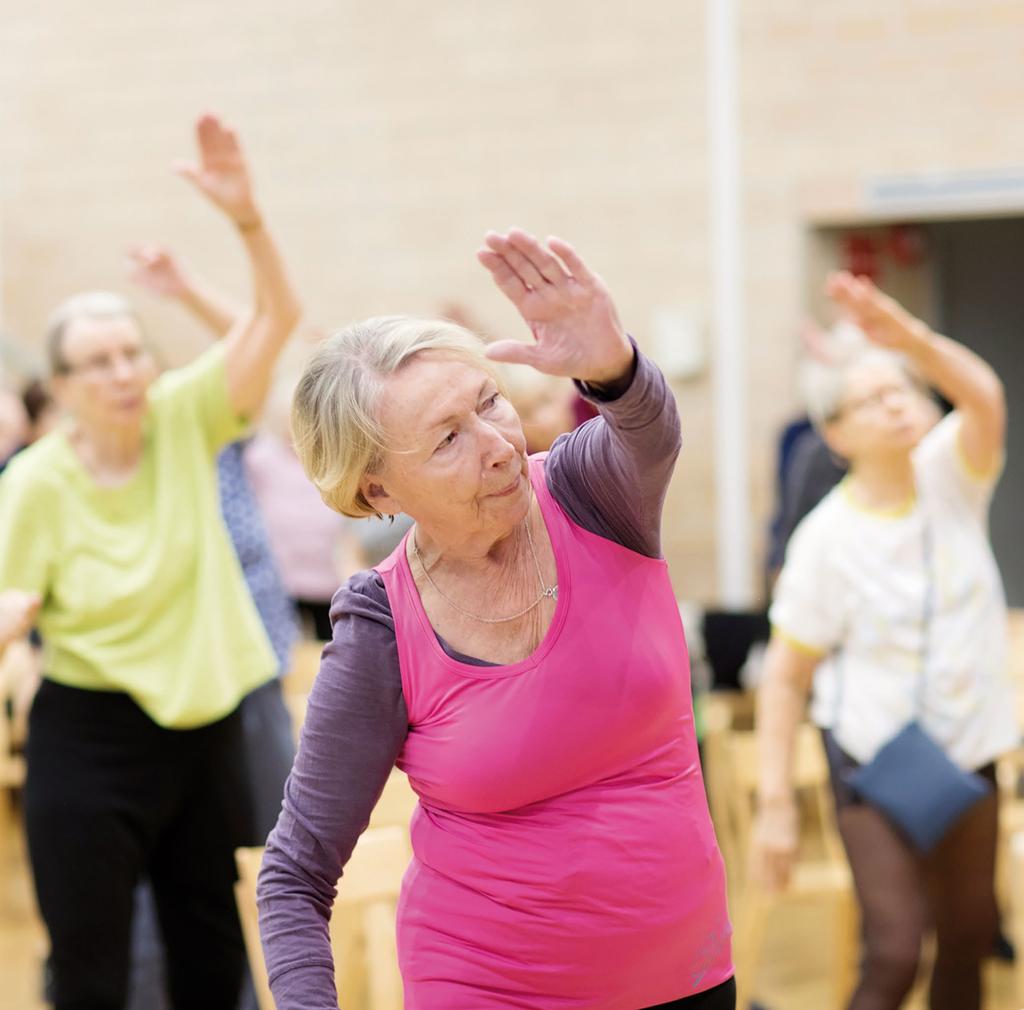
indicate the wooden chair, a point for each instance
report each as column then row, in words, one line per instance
column 362, row 923
column 1016, row 918
column 820, row 871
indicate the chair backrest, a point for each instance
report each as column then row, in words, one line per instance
column 362, row 922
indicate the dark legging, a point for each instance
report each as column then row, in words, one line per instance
column 111, row 795
column 722, row 997
column 902, row 894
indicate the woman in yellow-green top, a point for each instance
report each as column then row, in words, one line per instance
column 152, row 640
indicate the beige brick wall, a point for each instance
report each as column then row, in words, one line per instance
column 387, row 137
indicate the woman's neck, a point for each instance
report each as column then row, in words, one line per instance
column 111, row 455
column 481, row 551
column 884, row 483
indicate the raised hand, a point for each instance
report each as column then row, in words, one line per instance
column 158, row 270
column 17, row 614
column 570, row 313
column 222, row 174
column 883, row 319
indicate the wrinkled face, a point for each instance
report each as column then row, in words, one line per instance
column 459, row 463
column 881, row 413
column 108, row 369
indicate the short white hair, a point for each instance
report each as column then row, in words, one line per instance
column 89, row 305
column 335, row 428
column 823, row 383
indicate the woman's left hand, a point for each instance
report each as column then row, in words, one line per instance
column 222, row 174
column 572, row 317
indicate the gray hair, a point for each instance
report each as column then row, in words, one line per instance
column 90, row 305
column 823, row 383
column 337, row 435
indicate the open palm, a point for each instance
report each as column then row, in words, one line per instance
column 221, row 173
column 570, row 313
column 881, row 317
column 157, row 270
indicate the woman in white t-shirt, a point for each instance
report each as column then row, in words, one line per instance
column 891, row 604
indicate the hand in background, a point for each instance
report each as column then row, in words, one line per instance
column 222, row 173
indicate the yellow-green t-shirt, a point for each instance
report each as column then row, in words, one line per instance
column 142, row 590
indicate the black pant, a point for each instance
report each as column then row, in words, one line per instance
column 111, row 795
column 722, row 997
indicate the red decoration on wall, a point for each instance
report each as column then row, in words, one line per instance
column 907, row 245
column 861, row 255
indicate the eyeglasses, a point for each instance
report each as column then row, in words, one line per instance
column 104, row 366
column 873, row 400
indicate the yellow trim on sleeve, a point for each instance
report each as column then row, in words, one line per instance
column 813, row 651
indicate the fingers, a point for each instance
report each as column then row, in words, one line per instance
column 771, row 869
column 569, row 257
column 213, row 137
column 508, row 281
column 187, row 170
column 514, row 352
column 872, row 308
column 540, row 259
column 523, row 266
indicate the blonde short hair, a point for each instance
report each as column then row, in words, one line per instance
column 337, row 435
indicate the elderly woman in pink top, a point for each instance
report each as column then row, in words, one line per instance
column 520, row 657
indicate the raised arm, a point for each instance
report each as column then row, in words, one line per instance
column 157, row 269
column 960, row 375
column 254, row 342
column 611, row 475
column 355, row 727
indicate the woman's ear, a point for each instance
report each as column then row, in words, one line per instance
column 377, row 495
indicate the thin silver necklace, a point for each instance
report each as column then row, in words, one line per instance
column 545, row 591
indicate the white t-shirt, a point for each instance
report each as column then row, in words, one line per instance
column 854, row 588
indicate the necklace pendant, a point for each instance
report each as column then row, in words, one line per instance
column 552, row 592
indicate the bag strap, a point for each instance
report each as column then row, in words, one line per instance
column 927, row 616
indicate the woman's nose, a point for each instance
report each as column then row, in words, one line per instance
column 498, row 450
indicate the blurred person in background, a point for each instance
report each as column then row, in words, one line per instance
column 890, row 603
column 14, row 425
column 314, row 549
column 42, row 409
column 520, row 656
column 135, row 755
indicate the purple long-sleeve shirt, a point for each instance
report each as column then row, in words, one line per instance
column 610, row 477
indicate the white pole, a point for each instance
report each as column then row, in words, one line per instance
column 732, row 486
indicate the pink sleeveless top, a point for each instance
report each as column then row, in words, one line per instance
column 563, row 851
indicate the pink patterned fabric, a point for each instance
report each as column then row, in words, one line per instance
column 563, row 851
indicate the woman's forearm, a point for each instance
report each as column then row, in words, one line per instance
column 781, row 702
column 256, row 340
column 211, row 307
column 960, row 375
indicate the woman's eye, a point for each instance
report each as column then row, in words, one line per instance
column 447, row 440
column 491, row 401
